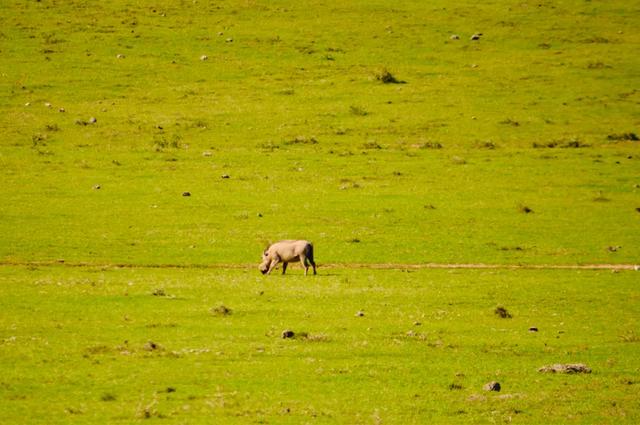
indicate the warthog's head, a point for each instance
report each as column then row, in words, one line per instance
column 266, row 260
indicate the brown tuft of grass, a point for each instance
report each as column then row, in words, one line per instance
column 502, row 312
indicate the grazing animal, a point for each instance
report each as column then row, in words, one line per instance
column 285, row 252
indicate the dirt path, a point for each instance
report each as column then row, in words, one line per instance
column 371, row 266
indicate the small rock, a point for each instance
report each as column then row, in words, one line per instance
column 47, row 104
column 120, row 56
column 533, row 329
column 492, row 386
column 27, row 104
column 225, row 176
column 455, row 37
column 96, row 187
column 206, row 153
column 417, row 324
column 152, row 346
column 186, row 193
column 476, row 36
column 204, row 57
column 259, row 215
column 286, row 334
column 93, row 120
column 565, row 368
column 62, row 110
column 360, row 313
column 229, row 40
column 614, row 248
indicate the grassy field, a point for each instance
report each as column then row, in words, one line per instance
column 93, row 345
column 177, row 139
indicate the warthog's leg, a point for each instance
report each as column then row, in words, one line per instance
column 313, row 264
column 284, row 267
column 303, row 261
column 273, row 264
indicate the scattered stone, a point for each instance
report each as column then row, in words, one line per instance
column 93, row 120
column 525, row 209
column 120, row 56
column 229, row 40
column 47, row 104
column 225, row 176
column 186, row 193
column 62, row 110
column 565, row 368
column 287, row 334
column 152, row 346
column 533, row 329
column 206, row 153
column 455, row 37
column 417, row 324
column 360, row 313
column 204, row 57
column 97, row 187
column 502, row 312
column 476, row 36
column 614, row 248
column 492, row 386
column 27, row 104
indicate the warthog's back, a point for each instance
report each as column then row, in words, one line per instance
column 289, row 250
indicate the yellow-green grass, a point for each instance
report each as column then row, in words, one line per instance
column 109, row 345
column 517, row 148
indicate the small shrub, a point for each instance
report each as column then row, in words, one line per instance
column 430, row 145
column 502, row 312
column 108, row 397
column 574, row 144
column 301, row 140
column 487, row 145
column 159, row 292
column 551, row 144
column 371, row 145
column 357, row 110
column 221, row 310
column 623, row 137
column 383, row 75
column 510, row 122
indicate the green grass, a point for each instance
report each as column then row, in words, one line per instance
column 506, row 150
column 75, row 346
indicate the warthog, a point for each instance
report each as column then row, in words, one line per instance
column 285, row 252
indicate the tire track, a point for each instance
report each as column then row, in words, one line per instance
column 370, row 266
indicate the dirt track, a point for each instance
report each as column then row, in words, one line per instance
column 372, row 266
